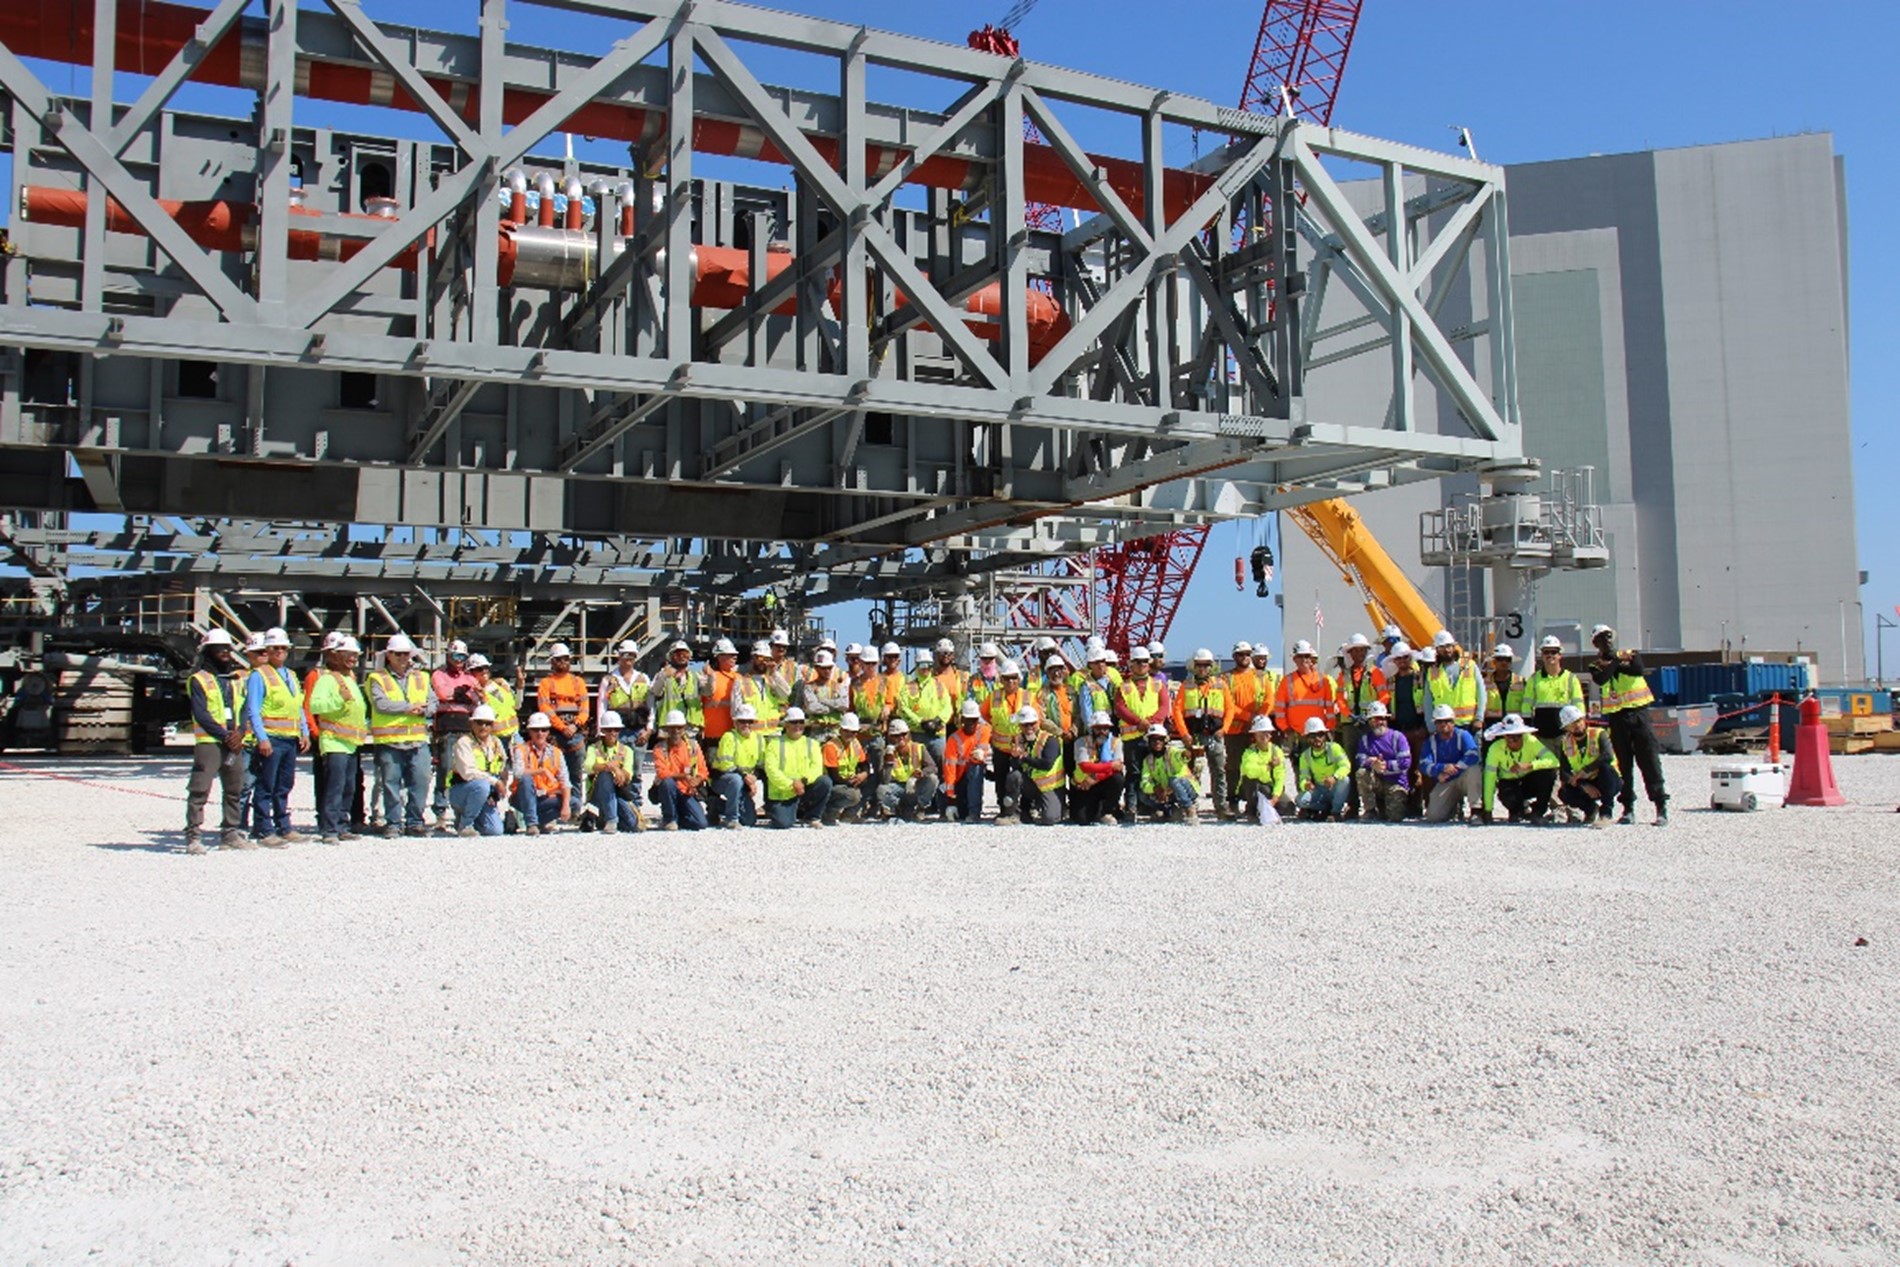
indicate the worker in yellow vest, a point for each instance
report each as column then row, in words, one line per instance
column 1453, row 679
column 1548, row 690
column 216, row 691
column 500, row 697
column 1203, row 712
column 797, row 789
column 273, row 708
column 342, row 713
column 624, row 689
column 479, row 776
column 848, row 767
column 738, row 766
column 1041, row 787
column 1518, row 771
column 1626, row 700
column 676, row 688
column 402, row 704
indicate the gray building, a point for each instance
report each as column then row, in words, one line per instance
column 1682, row 328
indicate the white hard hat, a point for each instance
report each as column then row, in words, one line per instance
column 1156, row 650
column 890, row 649
column 1096, row 653
column 1390, row 633
column 674, row 717
column 1599, row 630
column 1157, row 731
column 780, row 638
column 1443, row 638
column 899, row 726
column 1139, row 652
column 1511, row 725
column 216, row 638
column 1358, row 640
column 1303, row 647
column 1243, row 647
column 1503, row 652
column 988, row 651
column 1569, row 715
column 761, row 649
column 275, row 637
column 1045, row 643
column 1204, row 656
column 1425, row 655
column 256, row 642
column 458, row 647
column 349, row 645
column 629, row 647
column 946, row 647
column 828, row 644
column 1099, row 719
column 482, row 712
column 1010, row 669
column 821, row 660
column 538, row 721
column 478, row 661
column 972, row 709
column 724, row 647
column 560, row 651
column 1262, row 725
column 1401, row 648
column 610, row 720
column 868, row 656
column 850, row 722
column 794, row 713
column 400, row 645
column 1261, row 651
column 328, row 644
column 1375, row 709
column 1315, row 726
column 1551, row 642
column 744, row 712
column 851, row 650
column 1055, row 662
column 1112, row 656
column 677, row 645
column 1026, row 716
column 1096, row 644
column 1444, row 712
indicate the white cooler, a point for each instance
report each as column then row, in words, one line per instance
column 1762, row 785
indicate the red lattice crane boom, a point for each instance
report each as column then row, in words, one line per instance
column 1303, row 45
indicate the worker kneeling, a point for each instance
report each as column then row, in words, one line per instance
column 1167, row 789
column 1385, row 767
column 1325, row 773
column 613, row 783
column 848, row 767
column 1263, row 777
column 1037, row 783
column 679, row 776
column 478, row 776
column 909, row 782
column 1448, row 760
column 1100, row 774
column 1591, row 780
column 796, row 786
column 1519, row 771
column 966, row 760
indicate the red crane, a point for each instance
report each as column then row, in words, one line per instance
column 1302, row 45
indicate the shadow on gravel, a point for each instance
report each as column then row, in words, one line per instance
column 104, row 769
column 155, row 842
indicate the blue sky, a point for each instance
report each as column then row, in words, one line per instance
column 1532, row 81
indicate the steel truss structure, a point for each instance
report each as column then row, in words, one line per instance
column 253, row 319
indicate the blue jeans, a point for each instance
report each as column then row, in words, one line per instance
column 676, row 807
column 1324, row 801
column 1185, row 791
column 275, row 776
column 967, row 795
column 247, row 799
column 805, row 808
column 339, row 791
column 470, row 802
column 1608, row 782
column 405, row 778
column 536, row 811
column 616, row 805
column 730, row 799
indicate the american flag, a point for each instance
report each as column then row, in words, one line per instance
column 1319, row 617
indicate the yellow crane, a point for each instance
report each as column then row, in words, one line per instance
column 1389, row 596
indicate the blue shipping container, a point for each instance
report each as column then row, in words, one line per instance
column 1703, row 682
column 1763, row 679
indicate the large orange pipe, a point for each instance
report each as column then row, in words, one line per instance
column 149, row 32
column 722, row 275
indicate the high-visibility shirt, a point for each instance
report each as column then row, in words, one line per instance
column 963, row 749
column 1252, row 692
column 1159, row 769
column 1094, row 695
column 739, row 753
column 1544, row 690
column 471, row 760
column 1460, row 692
column 399, row 729
column 545, row 768
column 623, row 695
column 341, row 711
column 780, row 681
column 1203, row 707
column 825, row 702
column 1081, row 675
column 924, row 699
column 501, row 698
column 677, row 689
column 1326, row 762
column 1505, row 698
column 981, row 687
column 280, row 702
column 907, row 761
column 1045, row 766
column 1358, row 688
column 1589, row 752
column 309, row 685
column 955, row 683
column 789, row 760
column 1057, row 701
column 1265, row 766
column 846, row 756
column 1502, row 763
column 223, row 699
column 999, row 710
column 896, row 682
column 715, row 701
column 756, row 689
column 1625, row 691
column 1302, row 696
column 601, row 755
column 874, row 699
column 1140, row 704
column 682, row 760
column 563, row 697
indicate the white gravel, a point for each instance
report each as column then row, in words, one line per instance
column 940, row 1044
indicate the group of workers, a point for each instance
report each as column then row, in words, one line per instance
column 854, row 734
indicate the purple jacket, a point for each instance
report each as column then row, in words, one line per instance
column 1392, row 747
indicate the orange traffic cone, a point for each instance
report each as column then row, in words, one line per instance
column 1813, row 782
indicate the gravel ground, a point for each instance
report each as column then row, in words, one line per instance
column 940, row 1044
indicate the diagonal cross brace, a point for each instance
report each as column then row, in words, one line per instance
column 182, row 64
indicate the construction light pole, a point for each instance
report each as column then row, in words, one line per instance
column 1881, row 626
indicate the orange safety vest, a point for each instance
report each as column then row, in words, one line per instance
column 1303, row 696
column 563, row 697
column 717, row 705
column 959, row 751
column 682, row 761
column 545, row 769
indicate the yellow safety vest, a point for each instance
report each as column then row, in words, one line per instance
column 400, row 729
column 501, row 698
column 620, row 696
column 1626, row 691
column 283, row 705
column 211, row 685
column 1047, row 778
column 1142, row 704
